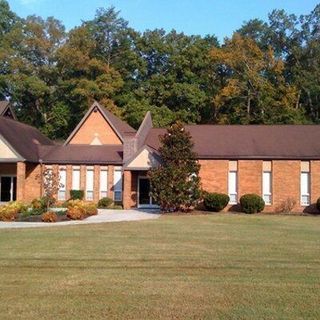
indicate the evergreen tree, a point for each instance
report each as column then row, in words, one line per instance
column 175, row 184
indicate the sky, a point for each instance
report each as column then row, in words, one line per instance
column 218, row 17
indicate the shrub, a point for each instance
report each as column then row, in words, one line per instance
column 287, row 205
column 49, row 217
column 318, row 204
column 75, row 213
column 215, row 201
column 78, row 209
column 252, row 203
column 90, row 209
column 10, row 211
column 105, row 203
column 76, row 194
column 7, row 213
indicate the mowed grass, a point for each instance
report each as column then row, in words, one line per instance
column 194, row 267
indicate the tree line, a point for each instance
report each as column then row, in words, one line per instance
column 268, row 72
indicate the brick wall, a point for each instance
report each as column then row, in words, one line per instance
column 32, row 182
column 130, row 189
column 95, row 128
column 214, row 175
column 285, row 180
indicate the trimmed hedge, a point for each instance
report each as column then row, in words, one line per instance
column 105, row 203
column 318, row 204
column 215, row 201
column 76, row 194
column 252, row 203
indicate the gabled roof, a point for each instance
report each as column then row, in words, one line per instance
column 7, row 110
column 23, row 138
column 120, row 127
column 250, row 141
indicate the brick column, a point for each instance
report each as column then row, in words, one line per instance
column 96, row 184
column 21, row 179
column 69, row 180
column 83, row 178
column 127, row 176
column 110, row 181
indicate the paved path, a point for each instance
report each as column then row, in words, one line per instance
column 102, row 217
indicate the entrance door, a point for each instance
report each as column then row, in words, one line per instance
column 8, row 186
column 145, row 199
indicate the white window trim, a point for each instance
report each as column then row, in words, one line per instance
column 117, row 191
column 236, row 188
column 302, row 203
column 76, row 169
column 268, row 194
column 62, row 192
column 103, row 192
column 90, row 190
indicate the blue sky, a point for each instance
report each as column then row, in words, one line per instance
column 219, row 17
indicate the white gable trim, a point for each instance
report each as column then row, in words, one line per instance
column 16, row 156
column 86, row 116
column 145, row 159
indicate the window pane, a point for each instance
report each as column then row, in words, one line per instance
column 118, row 180
column 304, row 183
column 63, row 183
column 232, row 186
column 117, row 196
column 267, row 198
column 103, row 194
column 89, row 184
column 103, row 182
column 75, row 179
column 89, row 195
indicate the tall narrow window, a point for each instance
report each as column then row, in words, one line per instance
column 118, row 184
column 89, row 183
column 267, row 182
column 103, row 182
column 233, row 182
column 305, row 183
column 63, row 184
column 75, row 178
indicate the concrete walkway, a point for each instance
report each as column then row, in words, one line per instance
column 102, row 217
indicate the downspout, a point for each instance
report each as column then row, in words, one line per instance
column 41, row 177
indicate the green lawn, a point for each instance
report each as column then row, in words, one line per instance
column 194, row 267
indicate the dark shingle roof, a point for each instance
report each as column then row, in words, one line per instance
column 250, row 141
column 24, row 139
column 81, row 154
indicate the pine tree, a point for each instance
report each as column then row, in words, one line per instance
column 175, row 184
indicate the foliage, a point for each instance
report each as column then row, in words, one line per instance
column 79, row 209
column 175, row 184
column 51, row 185
column 318, row 204
column 286, row 206
column 215, row 201
column 105, row 203
column 76, row 194
column 90, row 208
column 252, row 203
column 267, row 72
column 49, row 217
column 10, row 211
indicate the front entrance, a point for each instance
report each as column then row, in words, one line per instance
column 8, row 188
column 144, row 198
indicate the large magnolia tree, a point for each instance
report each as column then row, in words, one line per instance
column 175, row 184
